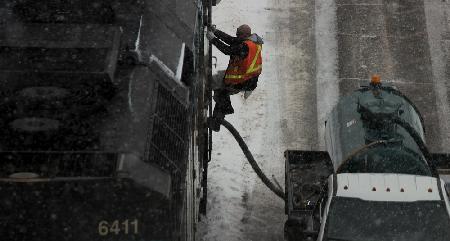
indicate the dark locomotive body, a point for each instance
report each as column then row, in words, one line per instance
column 102, row 107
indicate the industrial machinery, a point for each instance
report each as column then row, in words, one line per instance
column 102, row 131
column 377, row 180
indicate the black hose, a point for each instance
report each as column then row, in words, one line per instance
column 420, row 143
column 280, row 193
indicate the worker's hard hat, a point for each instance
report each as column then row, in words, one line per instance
column 375, row 80
column 244, row 31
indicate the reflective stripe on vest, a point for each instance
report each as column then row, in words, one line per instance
column 253, row 68
column 241, row 70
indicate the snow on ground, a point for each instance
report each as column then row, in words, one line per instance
column 326, row 77
column 280, row 114
column 297, row 89
column 437, row 25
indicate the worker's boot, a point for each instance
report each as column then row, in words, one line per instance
column 214, row 121
column 213, row 124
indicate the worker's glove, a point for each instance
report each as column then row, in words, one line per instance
column 212, row 28
column 210, row 35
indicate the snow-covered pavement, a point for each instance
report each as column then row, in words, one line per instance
column 314, row 52
column 279, row 115
column 406, row 42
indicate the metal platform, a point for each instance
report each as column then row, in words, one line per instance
column 306, row 174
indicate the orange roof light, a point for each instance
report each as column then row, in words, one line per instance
column 375, row 80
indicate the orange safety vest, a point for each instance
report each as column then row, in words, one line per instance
column 240, row 70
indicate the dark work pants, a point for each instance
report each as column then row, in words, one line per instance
column 222, row 97
column 223, row 102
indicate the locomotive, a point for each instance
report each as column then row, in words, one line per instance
column 104, row 105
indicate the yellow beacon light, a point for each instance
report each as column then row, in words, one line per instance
column 375, row 80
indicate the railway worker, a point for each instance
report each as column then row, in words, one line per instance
column 243, row 69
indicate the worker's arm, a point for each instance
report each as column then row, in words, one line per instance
column 240, row 49
column 224, row 37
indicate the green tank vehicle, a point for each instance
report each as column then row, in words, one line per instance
column 377, row 179
column 103, row 128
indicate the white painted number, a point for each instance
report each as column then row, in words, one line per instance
column 103, row 228
column 135, row 225
column 116, row 227
column 125, row 225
